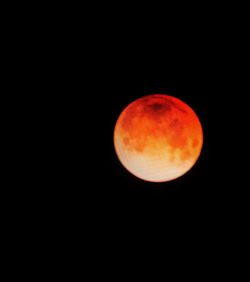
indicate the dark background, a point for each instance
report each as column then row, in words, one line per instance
column 72, row 76
column 77, row 77
column 84, row 84
column 93, row 178
column 79, row 96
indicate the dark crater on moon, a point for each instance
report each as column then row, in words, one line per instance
column 161, row 103
column 158, row 107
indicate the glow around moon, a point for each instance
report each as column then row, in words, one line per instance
column 158, row 138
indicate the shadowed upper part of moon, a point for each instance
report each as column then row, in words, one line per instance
column 157, row 120
column 153, row 107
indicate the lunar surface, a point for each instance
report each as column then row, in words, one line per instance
column 158, row 138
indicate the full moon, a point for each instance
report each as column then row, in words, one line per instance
column 158, row 138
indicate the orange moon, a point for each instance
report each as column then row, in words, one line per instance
column 158, row 138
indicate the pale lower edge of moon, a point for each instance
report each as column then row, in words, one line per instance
column 158, row 167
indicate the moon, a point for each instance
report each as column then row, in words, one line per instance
column 158, row 138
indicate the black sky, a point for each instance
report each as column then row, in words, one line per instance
column 84, row 85
column 109, row 187
column 73, row 75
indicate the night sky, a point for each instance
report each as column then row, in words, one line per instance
column 85, row 99
column 113, row 189
column 74, row 78
column 84, row 95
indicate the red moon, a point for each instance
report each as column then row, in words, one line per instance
column 158, row 138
